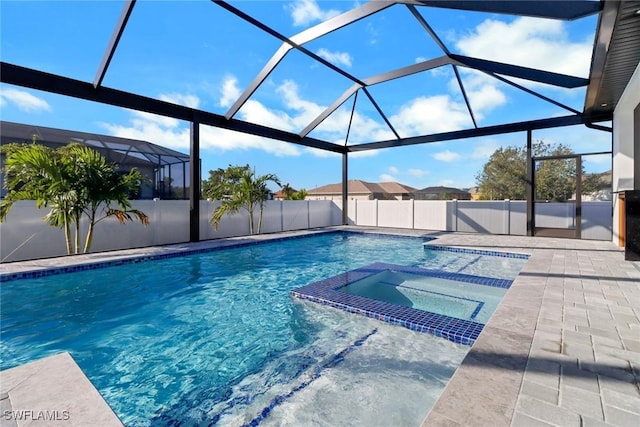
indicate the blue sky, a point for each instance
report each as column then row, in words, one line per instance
column 197, row 54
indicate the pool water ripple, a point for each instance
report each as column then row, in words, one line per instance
column 178, row 339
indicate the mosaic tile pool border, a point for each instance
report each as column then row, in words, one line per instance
column 134, row 259
column 517, row 255
column 457, row 330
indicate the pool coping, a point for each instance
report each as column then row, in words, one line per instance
column 52, row 391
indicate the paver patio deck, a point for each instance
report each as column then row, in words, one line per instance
column 562, row 349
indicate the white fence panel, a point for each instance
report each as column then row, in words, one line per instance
column 109, row 234
column 170, row 221
column 295, row 215
column 352, row 212
column 597, row 220
column 483, row 216
column 518, row 218
column 366, row 212
column 430, row 215
column 395, row 213
column 321, row 213
column 230, row 225
column 24, row 235
column 271, row 217
column 555, row 215
column 206, row 212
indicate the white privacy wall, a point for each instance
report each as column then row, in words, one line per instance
column 623, row 136
column 26, row 236
column 471, row 216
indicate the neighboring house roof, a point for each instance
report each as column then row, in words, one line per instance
column 356, row 186
column 281, row 195
column 440, row 190
column 474, row 190
column 396, row 187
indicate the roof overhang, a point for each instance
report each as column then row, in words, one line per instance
column 616, row 54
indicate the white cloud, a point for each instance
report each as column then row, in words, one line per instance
column 172, row 133
column 23, row 100
column 373, row 33
column 385, row 177
column 531, row 42
column 229, row 90
column 365, row 153
column 418, row 172
column 177, row 137
column 392, row 169
column 484, row 150
column 425, row 115
column 447, row 156
column 187, row 100
column 482, row 91
column 304, row 12
column 336, row 58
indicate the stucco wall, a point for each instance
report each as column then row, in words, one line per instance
column 623, row 150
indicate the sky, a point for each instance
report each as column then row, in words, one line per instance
column 197, row 54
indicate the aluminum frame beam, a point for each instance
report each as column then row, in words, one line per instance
column 423, row 22
column 473, row 133
column 536, row 94
column 464, row 95
column 532, row 74
column 550, row 9
column 52, row 83
column 297, row 41
column 195, row 179
column 377, row 107
column 113, row 42
column 370, row 81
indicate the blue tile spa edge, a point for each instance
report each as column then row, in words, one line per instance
column 431, row 247
column 457, row 330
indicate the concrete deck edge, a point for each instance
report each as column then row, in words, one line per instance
column 52, row 392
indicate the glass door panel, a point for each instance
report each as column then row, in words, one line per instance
column 557, row 198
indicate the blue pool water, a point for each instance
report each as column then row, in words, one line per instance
column 462, row 300
column 215, row 338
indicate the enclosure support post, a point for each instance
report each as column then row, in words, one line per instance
column 194, row 182
column 345, row 189
column 529, row 187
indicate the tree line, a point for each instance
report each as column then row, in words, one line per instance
column 504, row 176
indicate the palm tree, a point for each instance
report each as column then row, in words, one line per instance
column 35, row 172
column 299, row 195
column 101, row 184
column 287, row 191
column 74, row 181
column 245, row 191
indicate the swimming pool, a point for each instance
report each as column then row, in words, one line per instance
column 215, row 337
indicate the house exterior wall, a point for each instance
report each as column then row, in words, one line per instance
column 624, row 127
